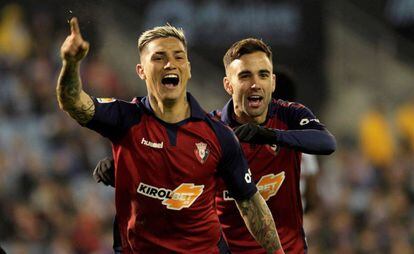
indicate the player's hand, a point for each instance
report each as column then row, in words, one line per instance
column 74, row 48
column 255, row 134
column 104, row 172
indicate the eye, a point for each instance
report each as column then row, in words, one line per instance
column 264, row 75
column 157, row 58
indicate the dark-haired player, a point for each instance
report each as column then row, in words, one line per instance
column 274, row 133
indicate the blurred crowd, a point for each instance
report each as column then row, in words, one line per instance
column 367, row 191
column 49, row 202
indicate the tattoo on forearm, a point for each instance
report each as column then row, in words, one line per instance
column 69, row 95
column 260, row 222
column 83, row 114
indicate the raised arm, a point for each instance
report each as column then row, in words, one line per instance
column 260, row 223
column 70, row 95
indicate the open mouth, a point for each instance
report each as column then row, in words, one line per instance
column 170, row 80
column 255, row 100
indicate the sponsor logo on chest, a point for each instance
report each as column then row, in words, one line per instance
column 181, row 197
column 268, row 185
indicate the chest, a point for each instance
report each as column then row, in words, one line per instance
column 169, row 155
column 272, row 159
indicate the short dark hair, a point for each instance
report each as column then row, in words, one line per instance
column 243, row 47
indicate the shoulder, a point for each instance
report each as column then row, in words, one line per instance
column 223, row 132
column 287, row 104
column 281, row 107
column 110, row 102
column 117, row 112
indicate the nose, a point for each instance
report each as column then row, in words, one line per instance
column 169, row 65
column 255, row 86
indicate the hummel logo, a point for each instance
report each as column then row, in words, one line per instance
column 152, row 144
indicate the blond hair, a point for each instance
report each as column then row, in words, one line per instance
column 161, row 32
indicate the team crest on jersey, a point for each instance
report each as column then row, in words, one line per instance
column 182, row 197
column 105, row 100
column 201, row 152
column 273, row 148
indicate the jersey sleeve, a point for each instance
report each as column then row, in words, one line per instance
column 305, row 133
column 233, row 167
column 300, row 117
column 113, row 118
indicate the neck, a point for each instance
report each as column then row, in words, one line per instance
column 170, row 111
column 243, row 118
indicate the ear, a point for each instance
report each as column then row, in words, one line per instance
column 273, row 82
column 140, row 71
column 189, row 70
column 227, row 86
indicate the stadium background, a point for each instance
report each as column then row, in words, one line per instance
column 354, row 64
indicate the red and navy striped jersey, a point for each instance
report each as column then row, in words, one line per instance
column 166, row 175
column 276, row 172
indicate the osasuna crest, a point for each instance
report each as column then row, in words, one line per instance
column 274, row 148
column 201, row 152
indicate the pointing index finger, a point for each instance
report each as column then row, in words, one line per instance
column 74, row 26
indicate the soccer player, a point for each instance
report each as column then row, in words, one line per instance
column 168, row 153
column 274, row 133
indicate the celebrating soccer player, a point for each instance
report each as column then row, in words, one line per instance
column 274, row 132
column 168, row 153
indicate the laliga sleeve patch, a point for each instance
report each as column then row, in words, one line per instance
column 105, row 100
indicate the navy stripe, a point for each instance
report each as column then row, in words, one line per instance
column 172, row 134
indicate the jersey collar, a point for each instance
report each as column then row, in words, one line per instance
column 227, row 114
column 196, row 111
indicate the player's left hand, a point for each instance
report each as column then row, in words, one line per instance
column 255, row 134
column 104, row 172
column 74, row 48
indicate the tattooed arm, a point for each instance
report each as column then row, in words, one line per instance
column 259, row 221
column 69, row 91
